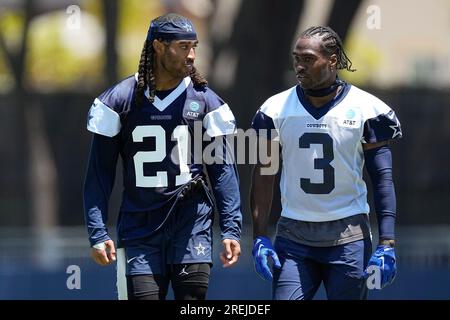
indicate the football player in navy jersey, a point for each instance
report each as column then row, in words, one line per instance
column 155, row 121
column 326, row 131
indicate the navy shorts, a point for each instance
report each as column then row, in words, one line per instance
column 184, row 239
column 304, row 268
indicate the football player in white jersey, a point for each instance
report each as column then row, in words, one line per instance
column 326, row 130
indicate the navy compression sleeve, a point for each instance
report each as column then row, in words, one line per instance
column 379, row 166
column 98, row 184
column 225, row 185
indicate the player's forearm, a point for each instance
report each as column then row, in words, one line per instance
column 98, row 185
column 231, row 224
column 225, row 185
column 261, row 194
column 95, row 200
column 379, row 167
column 98, row 232
column 96, row 214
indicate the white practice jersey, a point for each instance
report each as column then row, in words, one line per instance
column 321, row 148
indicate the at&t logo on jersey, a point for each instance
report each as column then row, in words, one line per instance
column 349, row 121
column 194, row 108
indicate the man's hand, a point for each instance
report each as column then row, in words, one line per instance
column 262, row 249
column 231, row 252
column 384, row 259
column 104, row 253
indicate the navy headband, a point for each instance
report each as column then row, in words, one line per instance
column 172, row 29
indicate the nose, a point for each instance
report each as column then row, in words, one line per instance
column 299, row 68
column 191, row 54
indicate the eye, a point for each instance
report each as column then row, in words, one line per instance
column 307, row 59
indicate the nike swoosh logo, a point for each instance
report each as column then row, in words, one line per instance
column 131, row 259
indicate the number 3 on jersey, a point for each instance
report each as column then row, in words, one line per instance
column 181, row 135
column 323, row 164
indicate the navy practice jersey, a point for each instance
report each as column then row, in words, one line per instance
column 322, row 173
column 161, row 146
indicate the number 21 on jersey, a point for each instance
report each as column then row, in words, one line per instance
column 181, row 135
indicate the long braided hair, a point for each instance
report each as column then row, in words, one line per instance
column 146, row 76
column 331, row 43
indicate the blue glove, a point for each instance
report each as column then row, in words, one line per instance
column 384, row 259
column 262, row 249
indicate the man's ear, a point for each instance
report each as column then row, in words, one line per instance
column 158, row 46
column 333, row 61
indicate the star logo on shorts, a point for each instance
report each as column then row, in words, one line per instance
column 200, row 249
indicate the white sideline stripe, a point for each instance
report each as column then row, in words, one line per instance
column 122, row 291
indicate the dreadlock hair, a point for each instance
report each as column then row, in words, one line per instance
column 146, row 76
column 331, row 43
